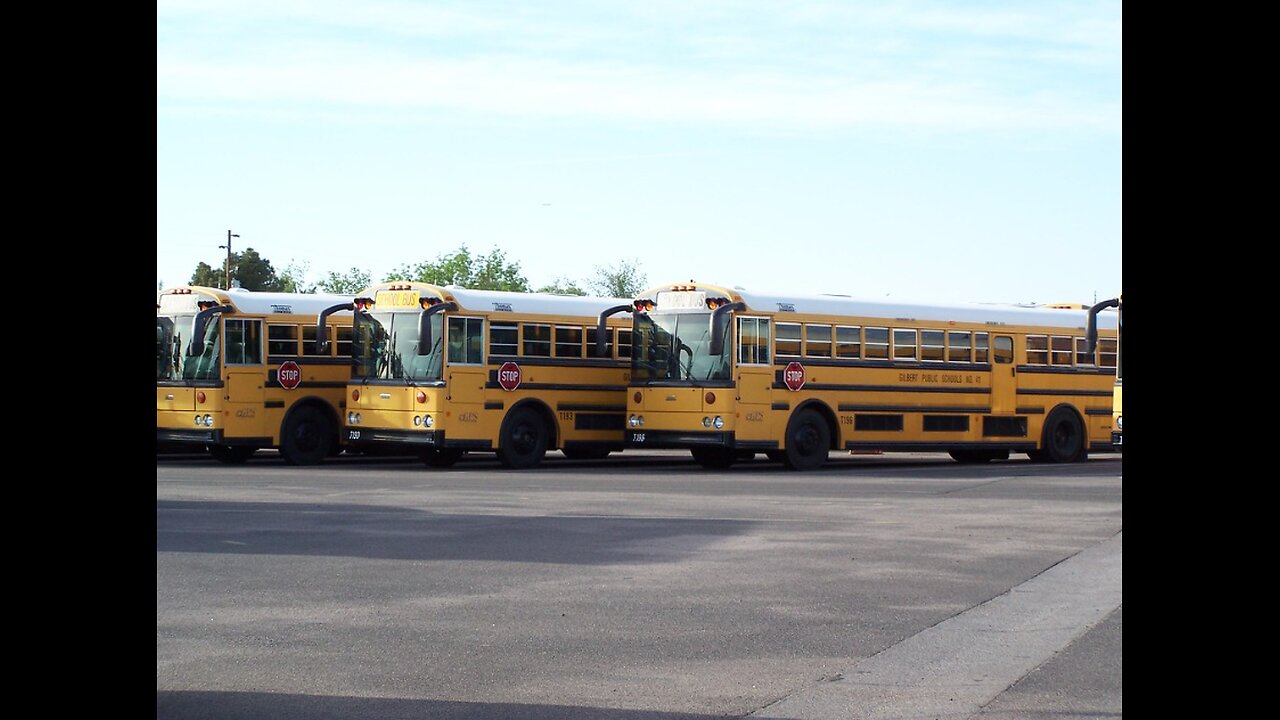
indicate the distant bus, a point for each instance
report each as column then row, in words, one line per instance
column 1117, row 431
column 728, row 373
column 238, row 371
column 447, row 371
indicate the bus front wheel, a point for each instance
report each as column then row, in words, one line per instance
column 523, row 440
column 307, row 436
column 808, row 441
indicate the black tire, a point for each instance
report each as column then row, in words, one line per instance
column 808, row 441
column 441, row 457
column 523, row 440
column 588, row 453
column 978, row 455
column 1063, row 439
column 231, row 454
column 307, row 437
column 713, row 458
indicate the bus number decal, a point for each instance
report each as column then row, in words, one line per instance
column 566, row 416
column 637, row 437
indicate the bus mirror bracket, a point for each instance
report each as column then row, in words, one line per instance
column 1091, row 332
column 198, row 325
column 602, row 331
column 424, row 325
column 719, row 317
column 322, row 340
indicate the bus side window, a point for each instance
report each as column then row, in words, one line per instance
column 244, row 342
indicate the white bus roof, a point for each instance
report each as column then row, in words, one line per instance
column 890, row 310
column 513, row 302
column 259, row 303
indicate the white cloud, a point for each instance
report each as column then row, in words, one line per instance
column 760, row 66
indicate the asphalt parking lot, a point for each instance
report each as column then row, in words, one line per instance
column 639, row 587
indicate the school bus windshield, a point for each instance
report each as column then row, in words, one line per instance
column 169, row 348
column 385, row 347
column 676, row 347
column 172, row 361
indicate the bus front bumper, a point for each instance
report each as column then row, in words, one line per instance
column 191, row 437
column 371, row 437
column 677, row 439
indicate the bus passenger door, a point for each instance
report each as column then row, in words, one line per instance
column 466, row 375
column 755, row 395
column 245, row 379
column 1004, row 384
column 753, row 377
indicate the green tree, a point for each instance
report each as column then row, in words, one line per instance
column 251, row 270
column 489, row 272
column 562, row 287
column 293, row 278
column 206, row 276
column 349, row 283
column 622, row 280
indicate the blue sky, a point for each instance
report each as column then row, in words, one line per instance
column 921, row 150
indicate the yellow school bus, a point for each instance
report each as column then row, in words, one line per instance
column 728, row 373
column 1117, row 428
column 447, row 371
column 238, row 371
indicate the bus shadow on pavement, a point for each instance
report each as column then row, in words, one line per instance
column 176, row 705
column 387, row 533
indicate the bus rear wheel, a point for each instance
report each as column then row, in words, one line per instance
column 306, row 437
column 713, row 458
column 1063, row 439
column 441, row 457
column 231, row 454
column 523, row 440
column 808, row 441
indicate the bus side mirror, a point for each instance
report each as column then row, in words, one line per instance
column 322, row 340
column 198, row 325
column 602, row 330
column 1091, row 333
column 424, row 325
column 719, row 321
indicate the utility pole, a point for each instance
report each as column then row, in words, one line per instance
column 228, row 247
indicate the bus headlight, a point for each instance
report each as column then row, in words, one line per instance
column 417, row 420
column 208, row 421
column 706, row 422
column 1119, row 422
column 718, row 422
column 353, row 418
column 636, row 421
column 427, row 421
